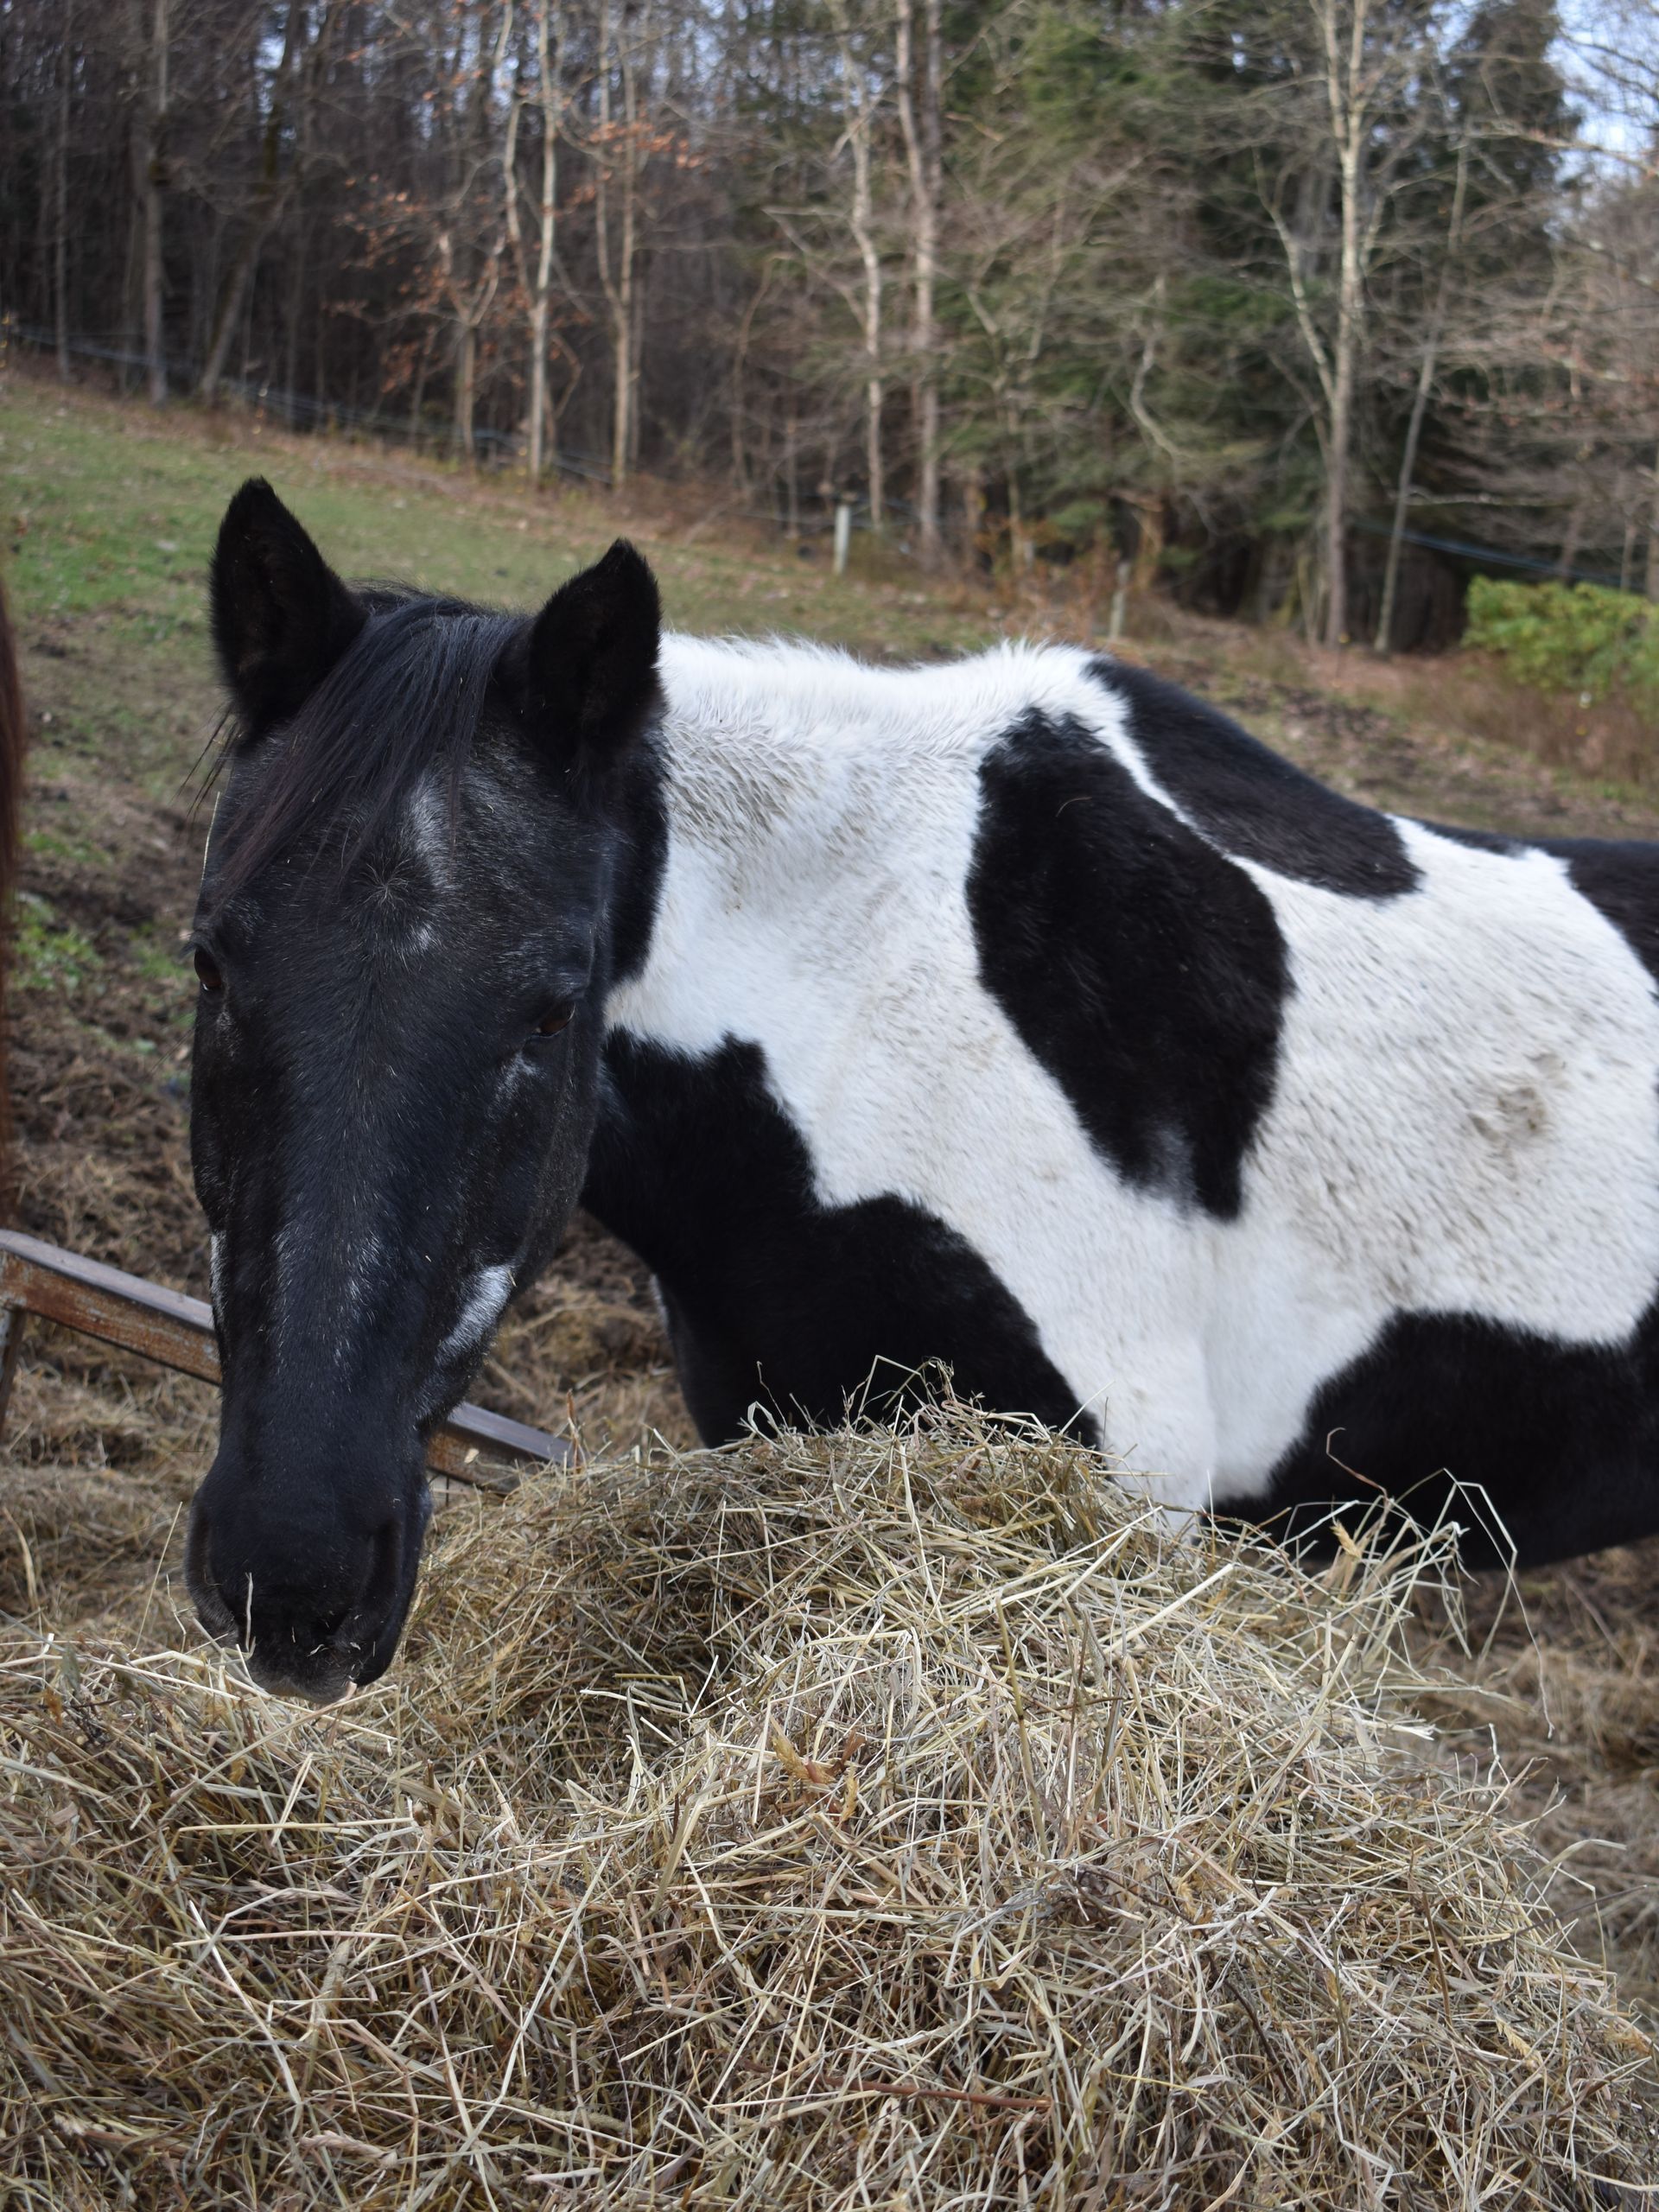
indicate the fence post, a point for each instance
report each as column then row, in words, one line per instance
column 843, row 534
column 11, row 1343
column 1120, row 603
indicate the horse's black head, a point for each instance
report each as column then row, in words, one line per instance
column 427, row 866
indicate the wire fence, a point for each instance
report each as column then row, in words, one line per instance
column 302, row 410
column 1492, row 555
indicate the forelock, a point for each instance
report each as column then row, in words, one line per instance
column 379, row 747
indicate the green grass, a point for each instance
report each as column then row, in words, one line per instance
column 108, row 514
column 49, row 954
column 112, row 512
column 78, row 851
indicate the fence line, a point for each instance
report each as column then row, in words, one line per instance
column 1489, row 554
column 300, row 410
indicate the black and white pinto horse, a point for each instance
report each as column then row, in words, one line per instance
column 1023, row 1015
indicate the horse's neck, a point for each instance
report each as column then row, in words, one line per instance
column 820, row 813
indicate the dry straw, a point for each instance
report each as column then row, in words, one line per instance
column 865, row 1820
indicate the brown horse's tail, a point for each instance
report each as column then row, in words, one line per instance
column 11, row 795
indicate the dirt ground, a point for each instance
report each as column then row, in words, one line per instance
column 102, row 1453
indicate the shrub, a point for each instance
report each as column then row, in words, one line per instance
column 1577, row 637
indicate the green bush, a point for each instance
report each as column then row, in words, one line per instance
column 1580, row 638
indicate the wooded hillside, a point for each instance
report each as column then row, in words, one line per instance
column 1284, row 300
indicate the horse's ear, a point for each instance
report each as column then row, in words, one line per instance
column 588, row 674
column 282, row 618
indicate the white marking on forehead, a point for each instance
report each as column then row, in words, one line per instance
column 416, row 869
column 487, row 1295
column 427, row 829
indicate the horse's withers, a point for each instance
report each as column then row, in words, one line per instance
column 407, row 926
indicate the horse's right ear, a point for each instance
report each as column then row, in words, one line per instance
column 586, row 669
column 282, row 618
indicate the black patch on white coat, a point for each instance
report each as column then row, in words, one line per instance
column 772, row 1298
column 1140, row 967
column 1252, row 803
column 1571, row 1431
column 1620, row 878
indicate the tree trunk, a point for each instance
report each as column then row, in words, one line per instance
column 1148, row 541
column 1653, row 535
column 1573, row 537
column 417, row 396
column 973, row 512
column 629, row 272
column 537, row 456
column 922, row 153
column 857, row 118
column 295, row 304
column 270, row 196
column 617, row 282
column 155, row 330
column 230, row 311
column 1021, row 552
column 466, row 389
column 549, row 56
column 148, row 153
column 792, row 478
column 60, row 196
column 1420, row 407
column 1348, row 112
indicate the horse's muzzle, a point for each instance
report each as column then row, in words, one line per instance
column 313, row 1582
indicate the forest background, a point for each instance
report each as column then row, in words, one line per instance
column 1307, row 309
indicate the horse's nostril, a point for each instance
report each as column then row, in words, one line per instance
column 383, row 1585
column 311, row 1581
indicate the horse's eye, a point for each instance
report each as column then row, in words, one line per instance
column 556, row 1017
column 210, row 978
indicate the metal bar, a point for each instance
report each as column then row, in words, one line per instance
column 177, row 1332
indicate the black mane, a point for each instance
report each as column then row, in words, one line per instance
column 403, row 700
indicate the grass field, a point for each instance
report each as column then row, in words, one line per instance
column 107, row 517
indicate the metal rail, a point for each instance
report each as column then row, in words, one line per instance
column 177, row 1332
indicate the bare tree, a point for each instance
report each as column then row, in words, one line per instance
column 151, row 35
column 617, row 151
column 273, row 182
column 1143, row 263
column 536, row 282
column 1426, row 367
column 858, row 110
column 1364, row 61
column 66, row 75
column 924, row 154
column 470, row 239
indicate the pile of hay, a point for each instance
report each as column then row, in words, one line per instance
column 871, row 1820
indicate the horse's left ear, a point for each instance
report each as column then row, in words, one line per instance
column 282, row 617
column 589, row 668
